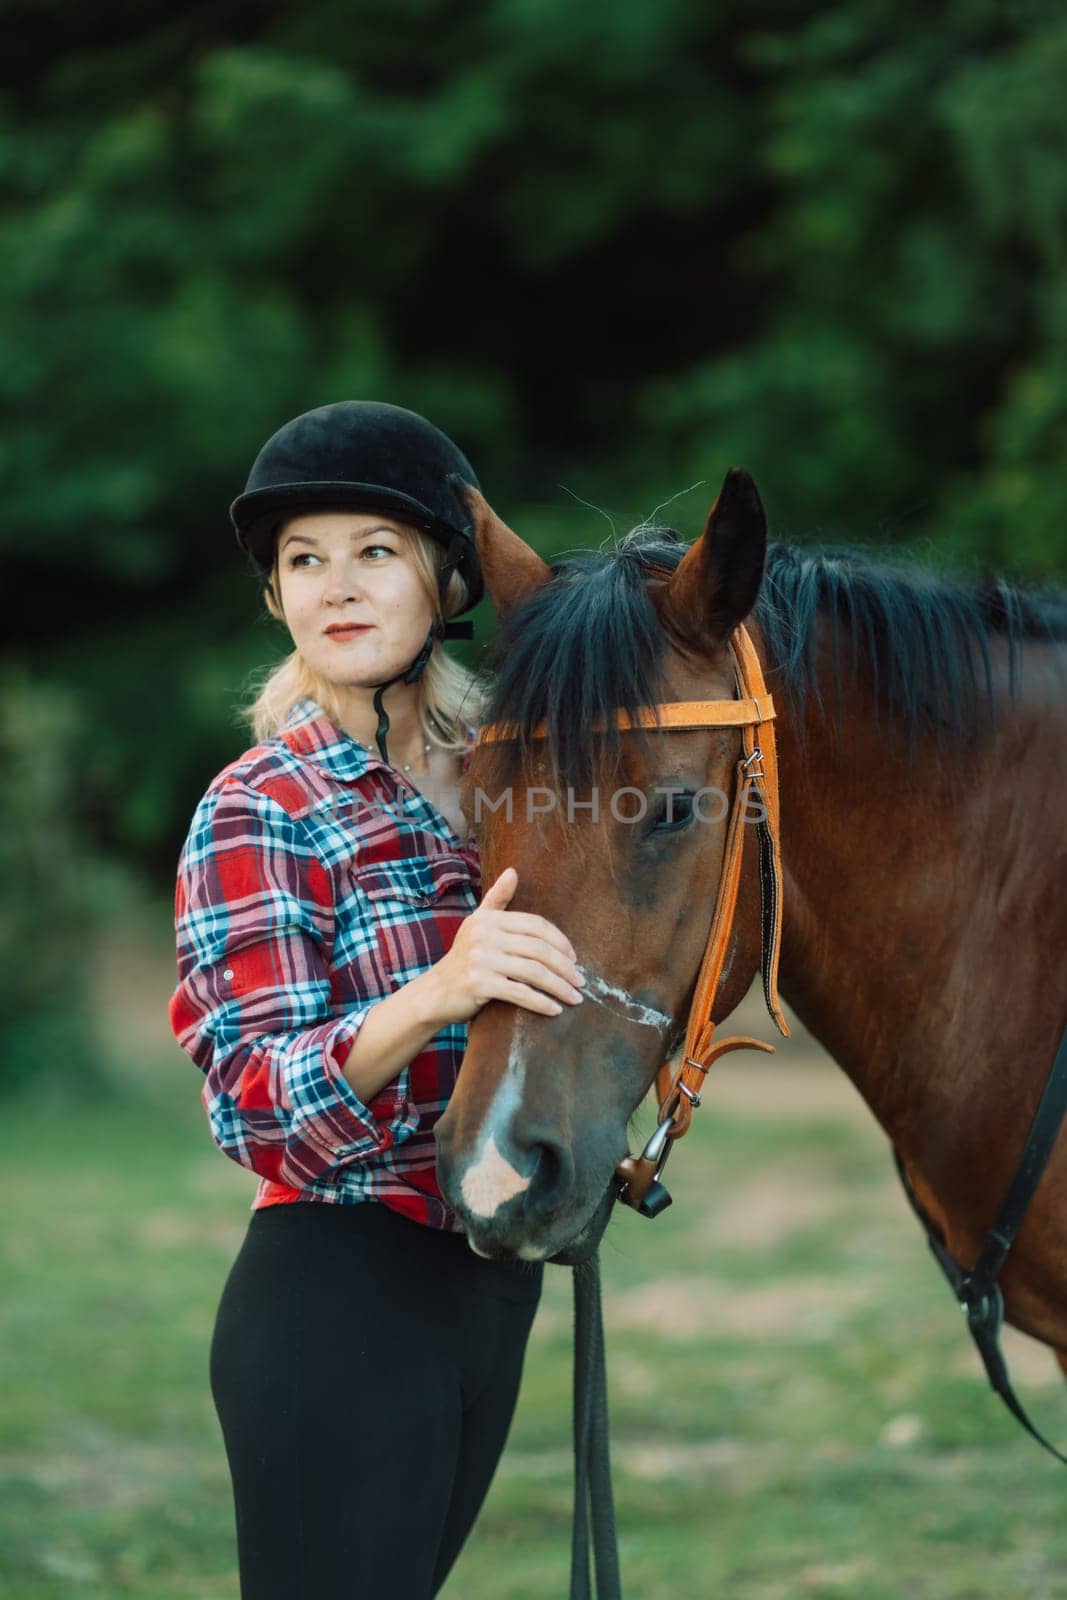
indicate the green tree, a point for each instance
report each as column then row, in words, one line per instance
column 611, row 247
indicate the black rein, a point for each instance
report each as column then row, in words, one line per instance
column 978, row 1290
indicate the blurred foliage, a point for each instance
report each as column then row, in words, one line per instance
column 56, row 897
column 612, row 249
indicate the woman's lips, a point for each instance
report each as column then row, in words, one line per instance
column 347, row 633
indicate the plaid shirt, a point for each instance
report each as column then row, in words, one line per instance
column 315, row 881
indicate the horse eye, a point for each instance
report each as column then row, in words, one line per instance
column 674, row 811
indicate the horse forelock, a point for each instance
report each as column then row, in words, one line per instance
column 586, row 644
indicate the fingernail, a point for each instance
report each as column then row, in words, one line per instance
column 556, row 1008
column 578, row 995
column 579, row 977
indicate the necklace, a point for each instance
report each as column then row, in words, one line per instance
column 405, row 766
column 427, row 747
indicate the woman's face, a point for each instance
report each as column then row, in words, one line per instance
column 340, row 568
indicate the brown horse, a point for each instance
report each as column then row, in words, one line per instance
column 922, row 739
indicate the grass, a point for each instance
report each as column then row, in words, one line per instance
column 796, row 1409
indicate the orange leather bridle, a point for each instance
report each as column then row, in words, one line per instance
column 756, row 781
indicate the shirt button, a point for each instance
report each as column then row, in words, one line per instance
column 228, row 973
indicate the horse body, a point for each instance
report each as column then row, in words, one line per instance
column 923, row 945
column 925, row 912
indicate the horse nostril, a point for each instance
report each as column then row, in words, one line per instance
column 552, row 1176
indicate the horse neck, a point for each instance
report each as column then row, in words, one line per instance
column 907, row 882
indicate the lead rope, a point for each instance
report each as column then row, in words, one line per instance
column 592, row 1458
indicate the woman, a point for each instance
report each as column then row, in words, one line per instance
column 331, row 949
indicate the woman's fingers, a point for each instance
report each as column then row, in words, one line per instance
column 501, row 890
column 537, row 975
column 495, row 899
column 549, row 955
column 527, row 922
column 520, row 994
column 516, row 956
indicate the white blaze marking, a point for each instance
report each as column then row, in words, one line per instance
column 595, row 988
column 491, row 1181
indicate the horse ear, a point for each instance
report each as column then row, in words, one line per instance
column 717, row 581
column 511, row 569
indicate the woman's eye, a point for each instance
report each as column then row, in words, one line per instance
column 674, row 811
column 308, row 555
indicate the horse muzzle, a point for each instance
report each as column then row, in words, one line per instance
column 518, row 1194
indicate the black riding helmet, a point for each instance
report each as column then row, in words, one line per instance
column 365, row 454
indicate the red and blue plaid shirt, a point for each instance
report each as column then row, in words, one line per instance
column 315, row 881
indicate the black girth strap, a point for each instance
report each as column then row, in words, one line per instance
column 978, row 1291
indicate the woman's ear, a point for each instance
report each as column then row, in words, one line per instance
column 271, row 600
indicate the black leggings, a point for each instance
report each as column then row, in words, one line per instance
column 365, row 1371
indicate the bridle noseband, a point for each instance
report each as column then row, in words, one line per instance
column 757, row 779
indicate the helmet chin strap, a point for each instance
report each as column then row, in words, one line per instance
column 439, row 630
column 409, row 675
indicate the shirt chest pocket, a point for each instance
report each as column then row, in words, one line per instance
column 416, row 904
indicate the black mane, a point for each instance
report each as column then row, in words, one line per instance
column 591, row 642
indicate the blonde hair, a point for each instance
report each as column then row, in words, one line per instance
column 448, row 695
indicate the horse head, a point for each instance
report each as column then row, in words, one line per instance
column 618, row 837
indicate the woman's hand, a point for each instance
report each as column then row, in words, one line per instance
column 506, row 955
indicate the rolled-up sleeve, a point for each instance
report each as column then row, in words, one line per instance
column 256, row 1004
